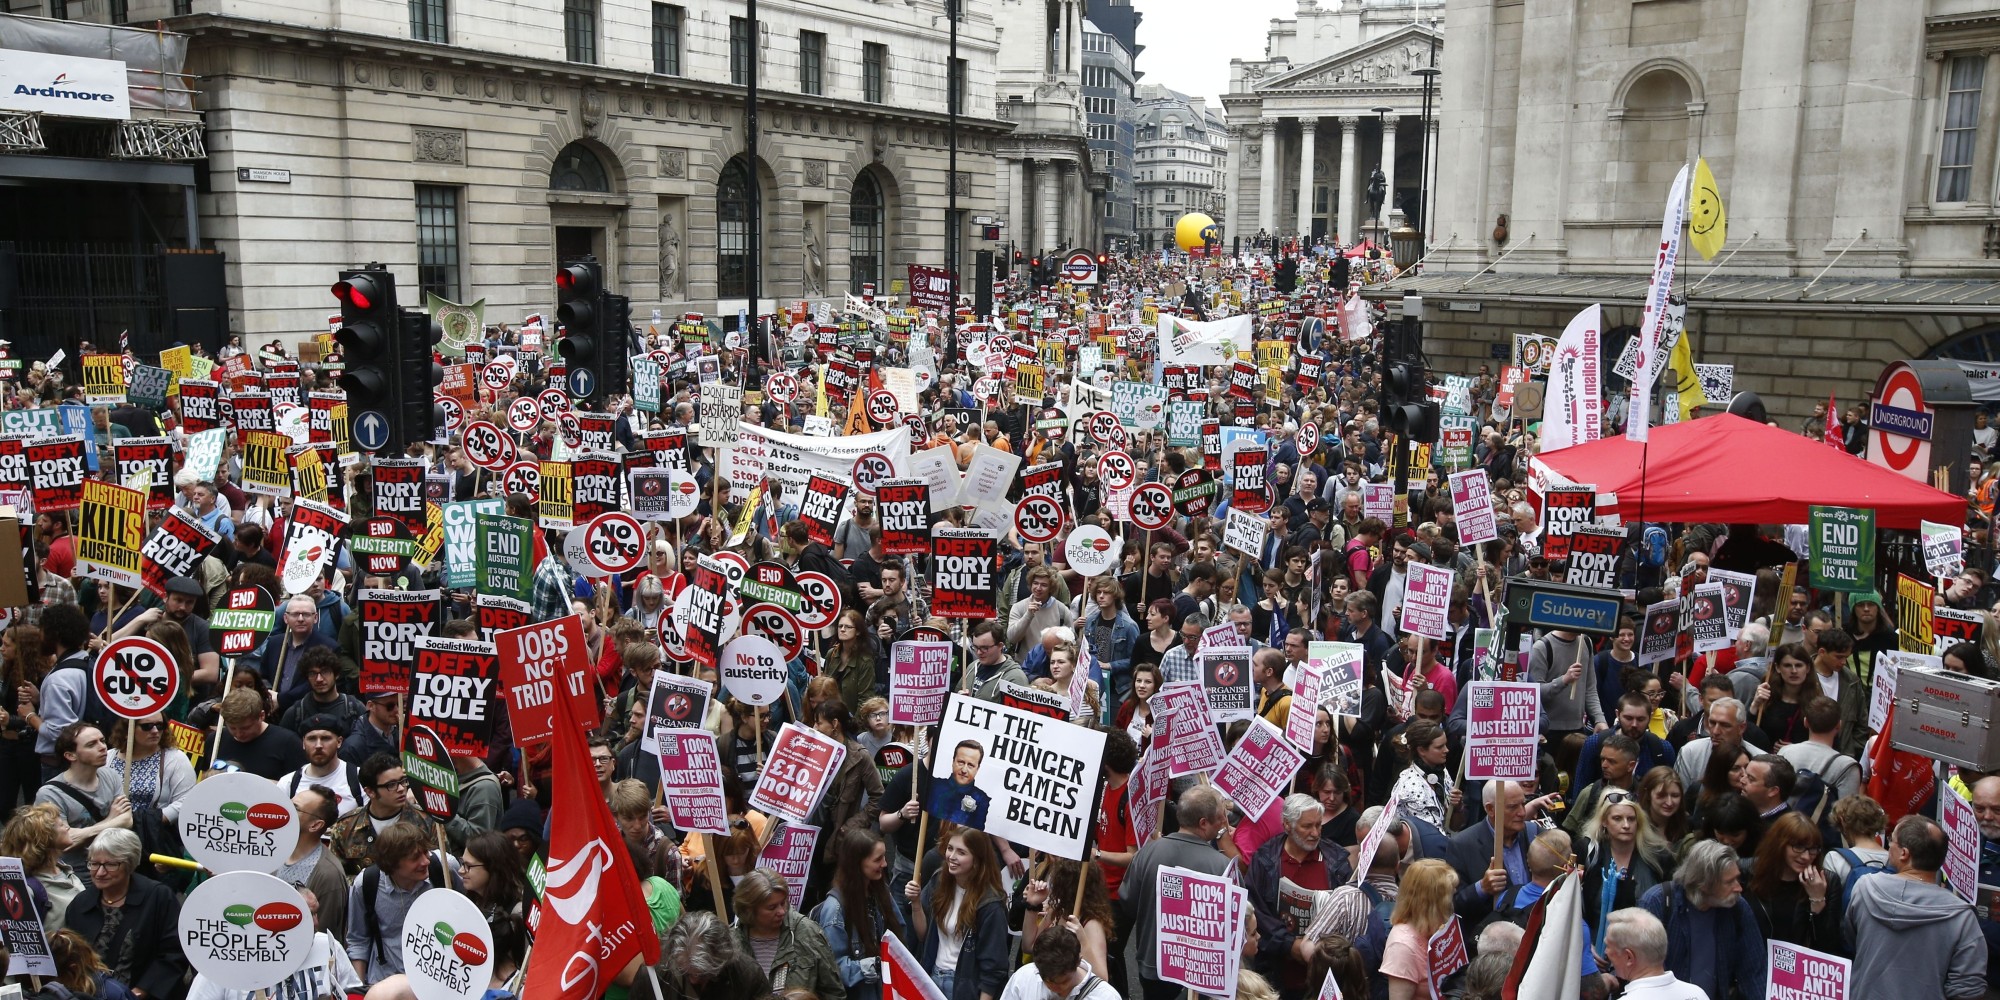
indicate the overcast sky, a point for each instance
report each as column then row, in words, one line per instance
column 1188, row 43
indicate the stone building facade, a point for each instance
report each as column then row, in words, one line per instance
column 1338, row 94
column 1180, row 160
column 471, row 149
column 1053, row 195
column 1854, row 144
column 1109, row 111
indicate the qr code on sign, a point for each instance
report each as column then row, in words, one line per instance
column 1170, row 887
column 1482, row 697
column 1784, row 960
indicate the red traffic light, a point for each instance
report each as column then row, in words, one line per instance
column 576, row 279
column 1037, row 262
column 1103, row 259
column 359, row 291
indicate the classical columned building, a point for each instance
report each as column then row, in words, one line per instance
column 1052, row 193
column 1339, row 95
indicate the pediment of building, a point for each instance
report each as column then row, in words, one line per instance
column 1390, row 60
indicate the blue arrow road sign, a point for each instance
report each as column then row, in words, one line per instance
column 582, row 382
column 371, row 430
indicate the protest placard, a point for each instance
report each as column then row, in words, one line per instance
column 919, row 680
column 461, row 538
column 904, row 507
column 245, row 931
column 104, row 379
column 1252, row 493
column 1503, row 724
column 1565, row 509
column 1427, row 601
column 174, row 549
column 1739, row 593
column 1962, row 844
column 110, row 530
column 312, row 537
column 1183, row 730
column 796, row 773
column 21, row 921
column 451, row 690
column 505, row 555
column 790, row 854
column 147, row 460
column 1308, row 697
column 1225, row 681
column 1446, row 953
column 538, row 663
column 1658, row 633
column 1343, row 663
column 1944, row 548
column 1244, row 532
column 1017, row 775
column 691, row 782
column 1843, row 549
column 1472, row 507
column 1593, row 556
column 56, row 468
column 964, row 583
column 1951, row 626
column 1708, row 621
column 1800, row 973
column 1198, row 935
column 391, row 623
column 495, row 614
column 1259, row 768
column 820, row 506
column 237, row 821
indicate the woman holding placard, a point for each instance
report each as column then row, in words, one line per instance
column 962, row 917
column 36, row 835
column 1051, row 898
column 1423, row 905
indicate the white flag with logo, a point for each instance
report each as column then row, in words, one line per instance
column 1573, row 410
column 1672, row 225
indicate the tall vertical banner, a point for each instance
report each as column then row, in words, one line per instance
column 1573, row 409
column 1843, row 549
column 963, row 573
column 1652, row 325
column 391, row 623
column 1018, row 775
column 1503, row 725
column 451, row 691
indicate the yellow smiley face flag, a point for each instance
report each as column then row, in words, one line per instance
column 1708, row 224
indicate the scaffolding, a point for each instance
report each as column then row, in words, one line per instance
column 165, row 126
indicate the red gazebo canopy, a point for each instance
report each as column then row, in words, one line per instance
column 1731, row 470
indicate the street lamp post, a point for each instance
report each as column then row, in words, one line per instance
column 1430, row 75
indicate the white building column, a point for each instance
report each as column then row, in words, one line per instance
column 1267, row 179
column 1307, row 129
column 1346, row 200
column 1389, row 124
column 1232, row 197
column 1051, row 185
column 1017, row 209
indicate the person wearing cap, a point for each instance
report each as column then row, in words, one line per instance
column 375, row 731
column 323, row 735
column 183, row 596
column 1319, row 513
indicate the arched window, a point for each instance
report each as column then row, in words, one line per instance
column 577, row 168
column 732, row 223
column 864, row 233
column 1653, row 139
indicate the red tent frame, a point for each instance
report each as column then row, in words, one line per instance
column 1731, row 470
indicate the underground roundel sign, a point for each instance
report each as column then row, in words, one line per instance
column 1090, row 551
column 524, row 414
column 1117, row 470
column 870, row 470
column 136, row 677
column 1038, row 519
column 615, row 543
column 487, row 446
column 1152, row 506
column 882, row 408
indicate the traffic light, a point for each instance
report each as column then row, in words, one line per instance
column 1407, row 410
column 1287, row 278
column 370, row 329
column 579, row 308
column 617, row 351
column 419, row 376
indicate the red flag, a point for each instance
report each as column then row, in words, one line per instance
column 1832, row 434
column 1898, row 779
column 593, row 918
column 903, row 977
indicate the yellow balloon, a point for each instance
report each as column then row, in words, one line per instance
column 1195, row 229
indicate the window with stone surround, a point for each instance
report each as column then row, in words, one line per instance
column 874, row 71
column 739, row 51
column 438, row 240
column 580, row 30
column 864, row 233
column 667, row 20
column 429, row 22
column 1966, row 79
column 732, row 230
column 812, row 62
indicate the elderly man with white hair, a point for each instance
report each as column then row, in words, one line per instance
column 1301, row 856
column 1753, row 660
column 1636, row 943
column 1727, row 723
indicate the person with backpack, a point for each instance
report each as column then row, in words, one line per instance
column 406, row 866
column 1818, row 754
column 90, row 795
